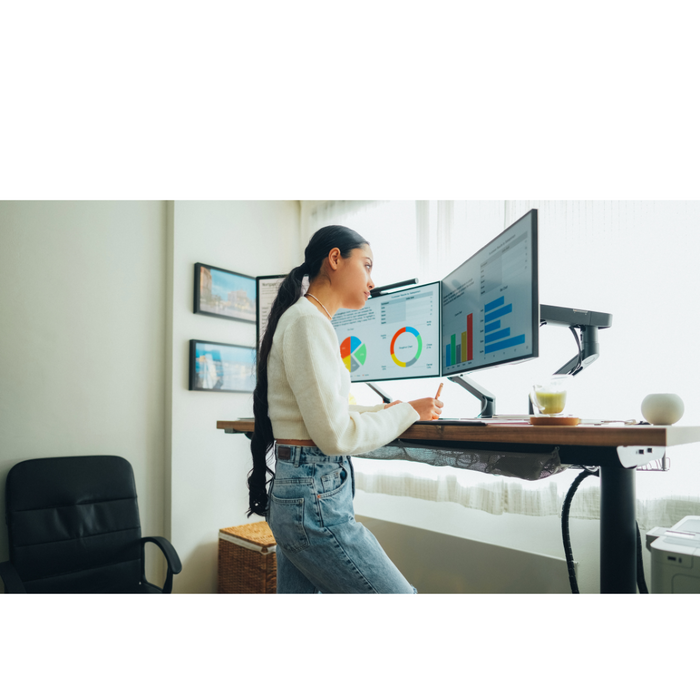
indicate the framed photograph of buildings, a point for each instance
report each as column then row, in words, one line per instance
column 223, row 293
column 221, row 367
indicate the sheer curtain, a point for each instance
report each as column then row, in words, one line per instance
column 635, row 260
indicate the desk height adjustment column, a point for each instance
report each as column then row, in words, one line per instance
column 618, row 530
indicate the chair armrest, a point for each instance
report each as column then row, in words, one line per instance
column 10, row 577
column 171, row 557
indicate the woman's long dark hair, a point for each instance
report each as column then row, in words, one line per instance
column 321, row 243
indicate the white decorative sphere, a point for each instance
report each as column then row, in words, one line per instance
column 662, row 409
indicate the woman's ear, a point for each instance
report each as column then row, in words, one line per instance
column 334, row 258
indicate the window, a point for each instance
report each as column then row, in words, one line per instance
column 636, row 260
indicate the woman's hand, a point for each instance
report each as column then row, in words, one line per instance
column 428, row 409
column 393, row 403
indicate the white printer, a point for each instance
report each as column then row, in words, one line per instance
column 675, row 557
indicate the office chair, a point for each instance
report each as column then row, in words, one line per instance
column 74, row 527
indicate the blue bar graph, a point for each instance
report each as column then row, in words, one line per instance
column 493, row 304
column 497, row 335
column 490, row 327
column 516, row 340
column 502, row 311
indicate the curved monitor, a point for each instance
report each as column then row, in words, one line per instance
column 394, row 336
column 490, row 303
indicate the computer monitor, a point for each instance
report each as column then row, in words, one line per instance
column 490, row 303
column 394, row 336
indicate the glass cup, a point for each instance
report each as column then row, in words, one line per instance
column 549, row 396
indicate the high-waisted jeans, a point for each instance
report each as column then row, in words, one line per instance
column 320, row 545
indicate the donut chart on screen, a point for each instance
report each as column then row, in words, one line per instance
column 354, row 353
column 399, row 333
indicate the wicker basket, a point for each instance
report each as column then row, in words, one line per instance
column 247, row 559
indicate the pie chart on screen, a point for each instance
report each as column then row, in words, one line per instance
column 354, row 353
column 415, row 345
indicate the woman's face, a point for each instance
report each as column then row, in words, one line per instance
column 355, row 280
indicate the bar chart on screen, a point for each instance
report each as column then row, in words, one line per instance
column 487, row 306
column 496, row 337
column 484, row 331
column 462, row 351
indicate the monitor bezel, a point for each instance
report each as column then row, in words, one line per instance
column 535, row 300
column 439, row 335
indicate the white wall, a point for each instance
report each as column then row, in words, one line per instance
column 96, row 317
column 209, row 468
column 82, row 339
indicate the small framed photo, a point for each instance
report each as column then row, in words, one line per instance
column 223, row 293
column 266, row 293
column 221, row 367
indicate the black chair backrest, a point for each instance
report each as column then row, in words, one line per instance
column 73, row 524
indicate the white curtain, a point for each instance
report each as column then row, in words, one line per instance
column 316, row 214
column 635, row 260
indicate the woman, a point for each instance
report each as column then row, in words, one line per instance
column 301, row 407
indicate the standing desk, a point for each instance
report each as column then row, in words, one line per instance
column 617, row 450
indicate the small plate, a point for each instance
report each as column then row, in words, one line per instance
column 554, row 420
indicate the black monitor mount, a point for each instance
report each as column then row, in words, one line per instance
column 583, row 324
column 488, row 400
column 385, row 397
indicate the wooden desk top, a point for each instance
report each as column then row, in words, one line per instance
column 581, row 435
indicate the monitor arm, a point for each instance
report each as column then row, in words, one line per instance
column 587, row 323
column 488, row 400
column 589, row 352
column 385, row 397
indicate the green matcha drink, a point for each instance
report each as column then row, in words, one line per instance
column 550, row 402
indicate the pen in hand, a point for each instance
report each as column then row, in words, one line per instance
column 437, row 396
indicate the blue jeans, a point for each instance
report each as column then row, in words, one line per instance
column 320, row 545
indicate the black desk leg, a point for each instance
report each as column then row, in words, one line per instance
column 618, row 530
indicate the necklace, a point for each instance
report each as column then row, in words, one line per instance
column 322, row 306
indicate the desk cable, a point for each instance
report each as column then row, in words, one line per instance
column 579, row 366
column 641, row 583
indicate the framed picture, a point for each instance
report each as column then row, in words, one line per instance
column 267, row 288
column 223, row 293
column 266, row 293
column 221, row 367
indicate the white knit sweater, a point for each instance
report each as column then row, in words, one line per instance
column 308, row 387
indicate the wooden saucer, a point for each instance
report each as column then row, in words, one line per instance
column 554, row 420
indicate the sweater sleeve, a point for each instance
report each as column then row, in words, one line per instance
column 363, row 409
column 314, row 376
